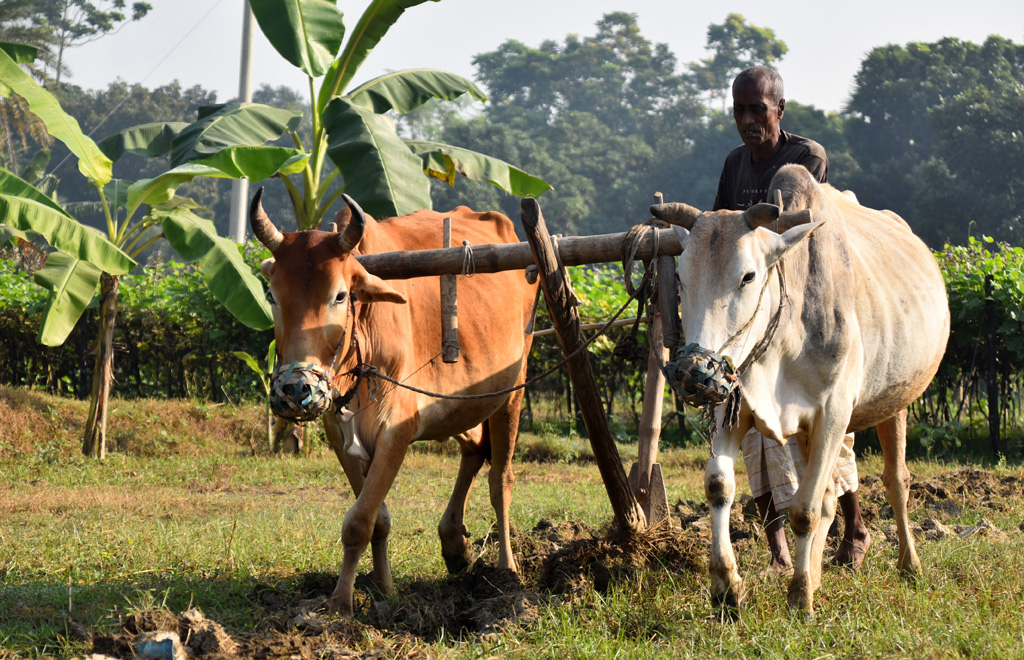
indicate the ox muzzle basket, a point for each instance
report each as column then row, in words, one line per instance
column 699, row 376
column 300, row 391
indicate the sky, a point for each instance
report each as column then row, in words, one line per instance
column 198, row 42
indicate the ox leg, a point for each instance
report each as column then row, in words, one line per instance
column 893, row 436
column 452, row 530
column 503, row 429
column 720, row 490
column 828, row 514
column 368, row 520
column 339, row 435
column 809, row 513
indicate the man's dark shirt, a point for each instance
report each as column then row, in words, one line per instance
column 744, row 183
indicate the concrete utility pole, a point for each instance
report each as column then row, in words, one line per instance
column 240, row 188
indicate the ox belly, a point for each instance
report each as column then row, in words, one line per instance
column 903, row 317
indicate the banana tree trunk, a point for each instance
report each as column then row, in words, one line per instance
column 95, row 440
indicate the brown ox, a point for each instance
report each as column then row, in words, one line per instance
column 858, row 339
column 320, row 294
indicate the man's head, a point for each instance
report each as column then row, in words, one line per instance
column 758, row 104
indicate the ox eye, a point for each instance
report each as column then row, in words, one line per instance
column 340, row 298
column 747, row 279
column 270, row 298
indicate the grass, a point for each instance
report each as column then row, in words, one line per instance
column 183, row 515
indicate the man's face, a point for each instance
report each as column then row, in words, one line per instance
column 756, row 113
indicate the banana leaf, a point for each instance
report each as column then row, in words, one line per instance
column 151, row 140
column 255, row 163
column 20, row 53
column 404, row 91
column 220, row 265
column 444, row 161
column 64, row 233
column 229, row 125
column 307, row 33
column 375, row 22
column 91, row 161
column 72, row 285
column 13, row 185
column 380, row 171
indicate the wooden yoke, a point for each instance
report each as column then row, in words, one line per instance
column 449, row 307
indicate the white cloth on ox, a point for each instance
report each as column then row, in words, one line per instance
column 777, row 467
column 353, row 446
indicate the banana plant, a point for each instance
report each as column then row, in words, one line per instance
column 353, row 136
column 138, row 214
column 263, row 372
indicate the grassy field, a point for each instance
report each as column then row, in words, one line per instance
column 183, row 515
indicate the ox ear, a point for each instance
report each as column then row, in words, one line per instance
column 267, row 267
column 777, row 245
column 681, row 215
column 370, row 288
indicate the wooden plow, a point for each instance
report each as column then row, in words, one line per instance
column 638, row 500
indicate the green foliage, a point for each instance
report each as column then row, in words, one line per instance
column 953, row 399
column 173, row 338
column 350, row 127
column 965, row 269
column 600, row 293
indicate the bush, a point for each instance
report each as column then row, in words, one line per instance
column 172, row 338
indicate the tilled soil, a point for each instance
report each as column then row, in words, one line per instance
column 559, row 562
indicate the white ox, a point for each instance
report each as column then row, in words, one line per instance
column 860, row 336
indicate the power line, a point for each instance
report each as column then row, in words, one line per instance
column 143, row 79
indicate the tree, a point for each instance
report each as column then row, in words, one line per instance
column 77, row 22
column 922, row 118
column 736, row 46
column 593, row 115
column 977, row 173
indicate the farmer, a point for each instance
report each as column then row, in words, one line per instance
column 774, row 469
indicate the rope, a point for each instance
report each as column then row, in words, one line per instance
column 630, row 245
column 628, row 347
column 371, row 372
column 732, row 402
column 468, row 265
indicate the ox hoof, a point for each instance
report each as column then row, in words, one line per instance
column 729, row 603
column 339, row 605
column 800, row 596
column 456, row 562
column 910, row 570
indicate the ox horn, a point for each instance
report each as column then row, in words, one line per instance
column 356, row 227
column 792, row 219
column 761, row 215
column 777, row 200
column 261, row 225
column 676, row 213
